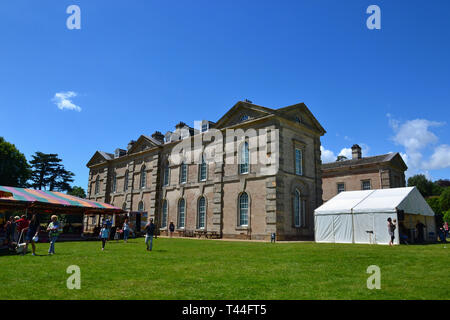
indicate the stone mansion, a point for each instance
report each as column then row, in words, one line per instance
column 231, row 200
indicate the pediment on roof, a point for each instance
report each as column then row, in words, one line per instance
column 242, row 111
column 301, row 114
column 398, row 162
column 143, row 143
column 98, row 157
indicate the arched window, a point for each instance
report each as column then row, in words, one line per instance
column 164, row 214
column 181, row 213
column 141, row 206
column 183, row 172
column 125, row 182
column 297, row 209
column 143, row 181
column 97, row 185
column 244, row 159
column 166, row 175
column 114, row 182
column 124, row 206
column 243, row 210
column 202, row 171
column 201, row 213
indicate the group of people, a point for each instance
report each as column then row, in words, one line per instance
column 149, row 231
column 17, row 227
column 420, row 227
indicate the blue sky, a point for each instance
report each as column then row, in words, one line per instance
column 137, row 66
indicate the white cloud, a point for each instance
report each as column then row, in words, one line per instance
column 440, row 159
column 327, row 155
column 63, row 101
column 346, row 152
column 417, row 139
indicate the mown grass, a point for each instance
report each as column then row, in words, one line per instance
column 208, row 269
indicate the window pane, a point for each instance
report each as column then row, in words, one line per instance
column 183, row 173
column 243, row 210
column 201, row 212
column 244, row 159
column 341, row 187
column 166, row 176
column 143, row 178
column 297, row 208
column 203, row 168
column 125, row 183
column 366, row 185
column 298, row 161
column 181, row 214
column 164, row 214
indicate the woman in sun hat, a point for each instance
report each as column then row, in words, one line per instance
column 53, row 230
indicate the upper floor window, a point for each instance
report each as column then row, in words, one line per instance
column 183, row 172
column 340, row 187
column 164, row 214
column 243, row 210
column 181, row 213
column 114, row 182
column 166, row 175
column 97, row 185
column 244, row 159
column 201, row 212
column 125, row 182
column 203, row 168
column 365, row 185
column 204, row 127
column 298, row 162
column 143, row 180
column 298, row 119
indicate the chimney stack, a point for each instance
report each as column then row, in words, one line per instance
column 356, row 152
column 158, row 136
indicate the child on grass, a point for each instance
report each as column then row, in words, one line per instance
column 104, row 235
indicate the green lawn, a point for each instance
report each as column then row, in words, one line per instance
column 209, row 269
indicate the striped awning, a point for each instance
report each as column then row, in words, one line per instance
column 20, row 196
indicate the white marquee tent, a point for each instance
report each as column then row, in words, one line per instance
column 361, row 216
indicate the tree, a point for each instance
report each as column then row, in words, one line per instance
column 48, row 172
column 14, row 168
column 444, row 199
column 77, row 192
column 434, row 204
column 424, row 185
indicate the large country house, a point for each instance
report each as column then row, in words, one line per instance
column 230, row 200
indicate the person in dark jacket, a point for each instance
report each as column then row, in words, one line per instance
column 149, row 233
column 171, row 229
column 32, row 232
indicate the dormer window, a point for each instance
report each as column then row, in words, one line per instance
column 204, row 127
column 244, row 117
column 298, row 119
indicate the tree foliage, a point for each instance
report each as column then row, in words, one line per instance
column 48, row 172
column 14, row 168
column 77, row 192
column 424, row 185
column 433, row 202
column 444, row 199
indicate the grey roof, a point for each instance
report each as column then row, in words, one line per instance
column 358, row 162
column 106, row 155
column 153, row 140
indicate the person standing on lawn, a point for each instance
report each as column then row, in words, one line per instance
column 10, row 229
column 171, row 228
column 149, row 233
column 22, row 224
column 420, row 232
column 391, row 230
column 53, row 230
column 445, row 226
column 126, row 230
column 32, row 232
column 104, row 235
